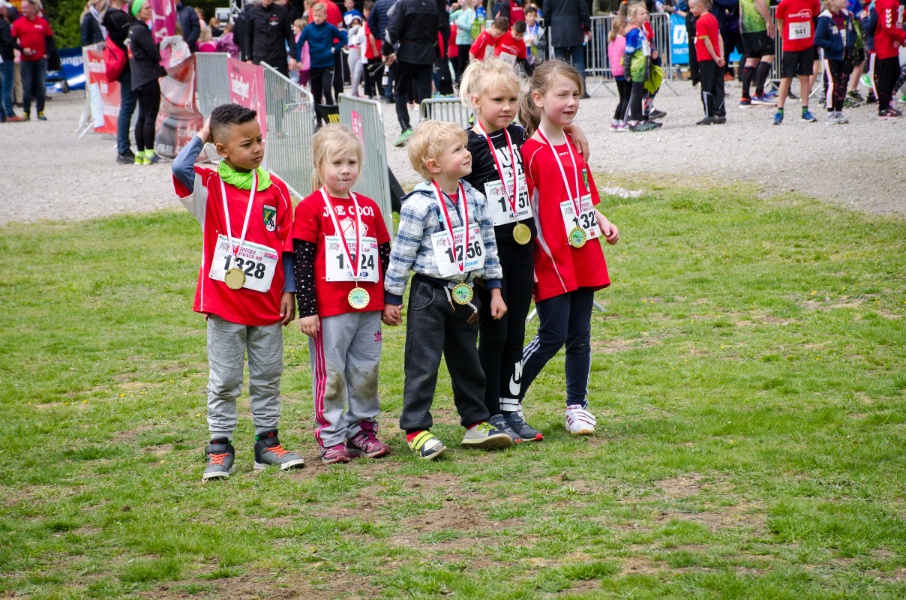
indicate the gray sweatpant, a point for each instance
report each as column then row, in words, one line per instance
column 227, row 345
column 345, row 357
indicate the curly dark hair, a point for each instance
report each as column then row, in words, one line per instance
column 226, row 115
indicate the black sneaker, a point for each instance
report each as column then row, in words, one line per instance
column 708, row 121
column 126, row 158
column 518, row 424
column 268, row 451
column 656, row 114
column 220, row 455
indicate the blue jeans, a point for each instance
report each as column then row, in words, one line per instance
column 34, row 73
column 7, row 81
column 127, row 107
column 563, row 320
column 574, row 55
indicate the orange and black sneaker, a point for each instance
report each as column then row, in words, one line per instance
column 268, row 451
column 220, row 455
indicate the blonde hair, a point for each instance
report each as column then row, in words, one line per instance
column 205, row 35
column 319, row 7
column 633, row 9
column 541, row 82
column 616, row 28
column 482, row 75
column 430, row 140
column 329, row 142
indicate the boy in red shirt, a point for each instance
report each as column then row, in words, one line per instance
column 889, row 36
column 510, row 46
column 246, row 216
column 31, row 31
column 484, row 44
column 709, row 50
column 796, row 21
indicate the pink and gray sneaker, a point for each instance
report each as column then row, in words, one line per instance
column 366, row 442
column 335, row 454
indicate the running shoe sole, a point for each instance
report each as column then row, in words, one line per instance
column 492, row 442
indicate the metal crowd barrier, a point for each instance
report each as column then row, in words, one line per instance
column 290, row 127
column 445, row 109
column 366, row 120
column 211, row 81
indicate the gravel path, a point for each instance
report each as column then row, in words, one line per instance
column 48, row 174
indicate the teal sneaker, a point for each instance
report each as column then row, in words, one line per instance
column 268, row 451
column 486, row 437
column 220, row 455
column 403, row 138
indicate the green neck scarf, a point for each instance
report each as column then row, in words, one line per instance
column 243, row 181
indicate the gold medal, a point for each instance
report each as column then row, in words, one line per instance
column 522, row 234
column 358, row 298
column 462, row 293
column 577, row 237
column 234, row 278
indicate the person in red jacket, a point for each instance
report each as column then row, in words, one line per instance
column 31, row 31
column 889, row 36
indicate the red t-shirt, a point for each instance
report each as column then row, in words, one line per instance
column 798, row 18
column 482, row 43
column 333, row 14
column 507, row 44
column 889, row 33
column 313, row 223
column 372, row 46
column 517, row 13
column 32, row 34
column 706, row 28
column 559, row 267
column 270, row 224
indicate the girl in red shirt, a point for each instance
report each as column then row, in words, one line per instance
column 569, row 262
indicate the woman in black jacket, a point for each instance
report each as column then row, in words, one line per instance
column 91, row 27
column 144, row 62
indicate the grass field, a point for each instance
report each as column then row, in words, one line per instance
column 748, row 380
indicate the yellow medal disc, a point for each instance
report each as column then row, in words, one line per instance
column 462, row 294
column 577, row 237
column 522, row 234
column 358, row 298
column 234, row 279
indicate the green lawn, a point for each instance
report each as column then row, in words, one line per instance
column 749, row 380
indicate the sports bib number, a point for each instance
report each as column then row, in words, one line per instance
column 258, row 262
column 586, row 220
column 508, row 58
column 499, row 205
column 801, row 31
column 448, row 256
column 338, row 267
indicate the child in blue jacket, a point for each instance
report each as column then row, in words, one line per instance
column 323, row 40
column 836, row 33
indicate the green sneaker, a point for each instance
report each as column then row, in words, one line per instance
column 403, row 138
column 426, row 446
column 487, row 437
column 140, row 158
column 41, row 116
column 220, row 455
column 268, row 451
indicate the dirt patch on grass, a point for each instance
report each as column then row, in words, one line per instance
column 124, row 437
column 270, row 585
column 681, row 487
column 639, row 565
column 615, row 346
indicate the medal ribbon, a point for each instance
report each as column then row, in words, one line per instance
column 509, row 143
column 248, row 212
column 353, row 262
column 575, row 201
column 465, row 219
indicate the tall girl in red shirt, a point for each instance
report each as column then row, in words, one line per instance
column 569, row 262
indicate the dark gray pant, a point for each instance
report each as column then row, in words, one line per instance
column 434, row 328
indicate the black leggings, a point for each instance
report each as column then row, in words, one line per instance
column 635, row 100
column 836, row 78
column 148, row 107
column 625, row 89
column 321, row 80
column 500, row 341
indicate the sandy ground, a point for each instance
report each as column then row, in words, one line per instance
column 50, row 174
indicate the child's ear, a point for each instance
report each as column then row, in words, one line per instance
column 432, row 166
column 474, row 101
column 538, row 99
column 220, row 150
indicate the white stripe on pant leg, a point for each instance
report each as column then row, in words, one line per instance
column 871, row 73
column 529, row 350
column 829, row 92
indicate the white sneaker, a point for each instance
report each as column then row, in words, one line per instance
column 579, row 421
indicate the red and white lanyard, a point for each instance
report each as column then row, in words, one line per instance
column 248, row 212
column 575, row 201
column 353, row 263
column 461, row 264
column 509, row 143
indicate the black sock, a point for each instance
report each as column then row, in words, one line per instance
column 748, row 73
column 761, row 75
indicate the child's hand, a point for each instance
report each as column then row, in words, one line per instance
column 654, row 55
column 393, row 314
column 498, row 306
column 310, row 326
column 205, row 133
column 287, row 308
column 608, row 229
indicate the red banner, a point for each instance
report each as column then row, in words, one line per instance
column 104, row 96
column 247, row 89
column 179, row 118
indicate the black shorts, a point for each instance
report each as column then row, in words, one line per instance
column 798, row 63
column 757, row 44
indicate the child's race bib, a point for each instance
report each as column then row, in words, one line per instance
column 499, row 208
column 586, row 220
column 257, row 261
column 450, row 257
column 800, row 31
column 337, row 263
column 508, row 58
